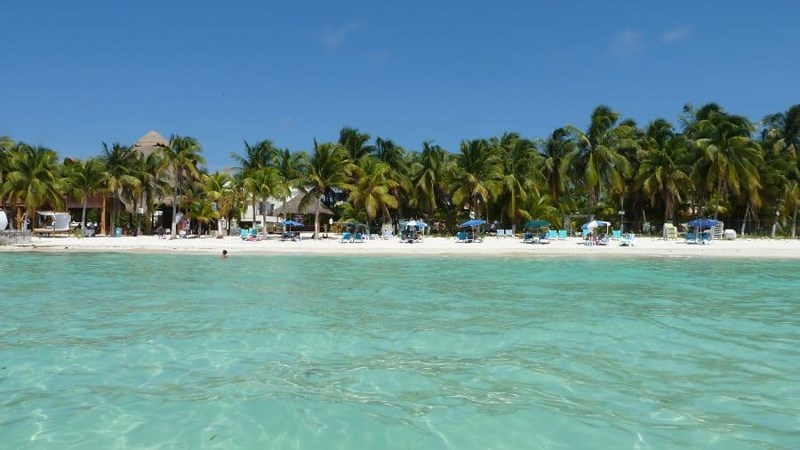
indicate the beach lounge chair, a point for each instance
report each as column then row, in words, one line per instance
column 670, row 232
column 528, row 238
column 562, row 234
column 358, row 237
column 616, row 234
column 345, row 237
column 552, row 234
column 544, row 238
column 245, row 234
column 462, row 236
column 627, row 240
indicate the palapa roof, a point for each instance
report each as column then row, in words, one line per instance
column 150, row 142
column 293, row 207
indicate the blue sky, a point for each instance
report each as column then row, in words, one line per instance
column 76, row 74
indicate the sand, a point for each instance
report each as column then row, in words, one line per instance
column 490, row 247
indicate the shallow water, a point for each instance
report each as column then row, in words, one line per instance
column 192, row 351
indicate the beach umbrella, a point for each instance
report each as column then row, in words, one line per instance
column 473, row 223
column 702, row 223
column 594, row 224
column 414, row 223
column 354, row 225
column 288, row 224
column 537, row 223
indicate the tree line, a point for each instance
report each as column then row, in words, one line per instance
column 712, row 164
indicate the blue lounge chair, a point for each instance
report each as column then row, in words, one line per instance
column 245, row 234
column 616, row 234
column 462, row 236
column 358, row 237
column 562, row 234
column 528, row 238
column 345, row 237
column 552, row 234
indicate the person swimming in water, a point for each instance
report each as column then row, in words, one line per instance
column 224, row 254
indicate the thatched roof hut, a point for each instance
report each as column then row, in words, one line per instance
column 293, row 207
column 150, row 142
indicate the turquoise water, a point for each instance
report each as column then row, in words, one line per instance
column 312, row 352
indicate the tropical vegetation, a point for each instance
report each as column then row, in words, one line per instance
column 709, row 163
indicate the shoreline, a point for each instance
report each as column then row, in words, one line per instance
column 648, row 247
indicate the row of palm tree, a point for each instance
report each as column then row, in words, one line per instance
column 713, row 164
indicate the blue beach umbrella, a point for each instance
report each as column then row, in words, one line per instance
column 414, row 223
column 702, row 223
column 472, row 223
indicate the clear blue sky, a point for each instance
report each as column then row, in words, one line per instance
column 76, row 74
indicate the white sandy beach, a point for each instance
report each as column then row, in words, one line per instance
column 491, row 246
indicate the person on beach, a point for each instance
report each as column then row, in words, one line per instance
column 160, row 232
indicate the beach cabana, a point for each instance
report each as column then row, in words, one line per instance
column 52, row 223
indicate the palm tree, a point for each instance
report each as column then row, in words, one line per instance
column 597, row 158
column 518, row 160
column 155, row 178
column 431, row 178
column 219, row 187
column 182, row 155
column 328, row 168
column 397, row 160
column 6, row 144
column 355, row 143
column 83, row 179
column 783, row 130
column 661, row 175
column 263, row 183
column 554, row 165
column 262, row 154
column 289, row 167
column 33, row 177
column 371, row 189
column 119, row 164
column 728, row 159
column 477, row 176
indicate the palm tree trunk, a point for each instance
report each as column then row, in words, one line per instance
column 744, row 219
column 173, row 229
column 794, row 222
column 103, row 216
column 316, row 218
column 83, row 213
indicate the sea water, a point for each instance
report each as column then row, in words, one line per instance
column 325, row 352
